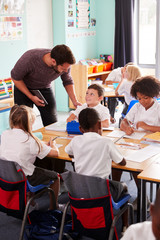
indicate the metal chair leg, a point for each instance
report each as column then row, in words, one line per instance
column 37, row 195
column 63, row 221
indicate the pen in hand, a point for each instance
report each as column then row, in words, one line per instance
column 130, row 124
column 55, row 138
column 51, row 141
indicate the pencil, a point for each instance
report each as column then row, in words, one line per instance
column 129, row 123
column 119, row 138
column 55, row 138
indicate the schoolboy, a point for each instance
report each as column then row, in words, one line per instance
column 93, row 153
column 94, row 96
column 148, row 230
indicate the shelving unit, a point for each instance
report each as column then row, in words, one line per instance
column 80, row 76
column 9, row 101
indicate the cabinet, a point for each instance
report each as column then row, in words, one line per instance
column 80, row 77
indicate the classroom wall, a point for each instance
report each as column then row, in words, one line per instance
column 37, row 33
column 11, row 50
column 85, row 43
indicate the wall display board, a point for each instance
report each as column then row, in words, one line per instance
column 11, row 19
column 82, row 13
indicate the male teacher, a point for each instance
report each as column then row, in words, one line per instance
column 35, row 70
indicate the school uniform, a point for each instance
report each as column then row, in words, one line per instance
column 20, row 147
column 125, row 89
column 141, row 231
column 116, row 76
column 93, row 155
column 102, row 110
column 150, row 116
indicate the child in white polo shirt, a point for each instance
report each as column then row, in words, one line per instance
column 93, row 153
column 148, row 230
column 124, row 87
column 144, row 115
column 94, row 96
column 18, row 144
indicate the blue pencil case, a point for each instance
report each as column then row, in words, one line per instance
column 73, row 128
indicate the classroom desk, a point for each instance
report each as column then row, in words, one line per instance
column 110, row 93
column 131, row 166
column 150, row 174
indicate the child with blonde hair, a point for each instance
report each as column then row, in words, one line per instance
column 131, row 74
column 18, row 144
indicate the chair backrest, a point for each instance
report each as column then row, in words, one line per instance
column 131, row 105
column 91, row 204
column 12, row 189
column 88, row 186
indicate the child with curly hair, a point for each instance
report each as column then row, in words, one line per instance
column 144, row 115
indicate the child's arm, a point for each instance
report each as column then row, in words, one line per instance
column 125, row 127
column 147, row 127
column 54, row 152
column 123, row 162
column 105, row 123
column 71, row 117
column 116, row 91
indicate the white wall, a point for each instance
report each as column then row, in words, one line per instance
column 39, row 24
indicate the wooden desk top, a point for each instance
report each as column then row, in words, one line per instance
column 152, row 172
column 130, row 166
column 110, row 93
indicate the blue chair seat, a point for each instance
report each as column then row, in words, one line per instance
column 121, row 202
column 34, row 189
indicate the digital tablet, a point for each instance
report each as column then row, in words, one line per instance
column 39, row 95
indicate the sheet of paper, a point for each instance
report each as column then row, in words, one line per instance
column 58, row 126
column 108, row 89
column 136, row 135
column 108, row 129
column 119, row 133
column 116, row 134
column 143, row 154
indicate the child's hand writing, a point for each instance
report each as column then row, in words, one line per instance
column 129, row 130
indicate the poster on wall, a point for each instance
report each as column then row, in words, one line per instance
column 10, row 28
column 83, row 13
column 12, row 6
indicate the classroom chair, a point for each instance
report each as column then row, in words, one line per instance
column 13, row 192
column 92, row 206
column 129, row 107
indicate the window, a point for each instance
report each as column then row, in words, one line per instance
column 147, row 31
column 148, row 34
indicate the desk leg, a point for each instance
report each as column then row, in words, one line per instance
column 139, row 201
column 144, row 202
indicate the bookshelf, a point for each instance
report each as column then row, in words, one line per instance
column 80, row 77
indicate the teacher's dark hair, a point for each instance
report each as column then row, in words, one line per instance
column 88, row 118
column 62, row 54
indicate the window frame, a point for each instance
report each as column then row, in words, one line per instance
column 157, row 57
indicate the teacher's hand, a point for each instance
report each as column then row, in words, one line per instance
column 76, row 103
column 38, row 101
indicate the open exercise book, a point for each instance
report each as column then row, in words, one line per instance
column 121, row 134
column 135, row 155
column 58, row 126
